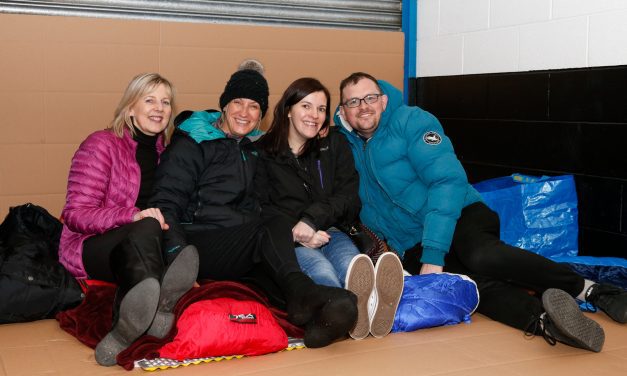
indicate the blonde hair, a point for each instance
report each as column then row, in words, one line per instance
column 139, row 86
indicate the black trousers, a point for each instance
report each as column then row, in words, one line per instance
column 504, row 274
column 144, row 235
column 235, row 252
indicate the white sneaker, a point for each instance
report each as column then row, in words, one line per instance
column 386, row 294
column 360, row 281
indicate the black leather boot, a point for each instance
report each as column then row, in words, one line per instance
column 136, row 265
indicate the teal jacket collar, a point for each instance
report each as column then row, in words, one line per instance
column 200, row 126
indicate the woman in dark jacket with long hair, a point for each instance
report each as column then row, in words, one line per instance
column 311, row 180
column 205, row 190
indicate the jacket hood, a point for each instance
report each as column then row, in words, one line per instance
column 200, row 126
column 395, row 100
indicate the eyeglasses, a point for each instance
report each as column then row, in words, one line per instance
column 368, row 99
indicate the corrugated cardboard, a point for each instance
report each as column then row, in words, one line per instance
column 483, row 347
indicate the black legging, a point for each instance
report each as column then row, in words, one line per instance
column 503, row 273
column 97, row 249
column 231, row 253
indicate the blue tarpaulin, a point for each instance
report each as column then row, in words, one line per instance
column 538, row 214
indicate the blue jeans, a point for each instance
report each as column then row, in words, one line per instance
column 328, row 265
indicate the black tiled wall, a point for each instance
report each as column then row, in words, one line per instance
column 570, row 121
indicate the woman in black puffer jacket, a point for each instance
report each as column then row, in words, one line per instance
column 205, row 190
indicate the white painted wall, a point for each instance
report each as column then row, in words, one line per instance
column 487, row 36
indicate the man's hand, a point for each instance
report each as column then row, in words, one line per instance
column 430, row 268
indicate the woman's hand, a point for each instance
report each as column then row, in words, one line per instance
column 430, row 269
column 319, row 239
column 152, row 213
column 303, row 233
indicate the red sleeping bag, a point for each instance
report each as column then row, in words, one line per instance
column 225, row 326
column 91, row 320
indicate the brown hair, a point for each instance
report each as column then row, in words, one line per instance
column 276, row 139
column 353, row 79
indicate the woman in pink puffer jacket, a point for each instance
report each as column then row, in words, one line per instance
column 109, row 233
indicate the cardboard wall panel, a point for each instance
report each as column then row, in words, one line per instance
column 63, row 76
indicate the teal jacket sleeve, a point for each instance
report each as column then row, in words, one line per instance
column 432, row 156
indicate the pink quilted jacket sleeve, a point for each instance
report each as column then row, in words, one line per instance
column 87, row 209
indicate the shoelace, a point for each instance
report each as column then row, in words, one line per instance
column 539, row 323
column 588, row 293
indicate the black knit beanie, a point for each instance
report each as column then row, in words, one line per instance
column 248, row 82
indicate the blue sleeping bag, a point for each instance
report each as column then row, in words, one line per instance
column 434, row 300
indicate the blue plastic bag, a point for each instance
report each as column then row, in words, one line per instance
column 437, row 299
column 612, row 270
column 537, row 214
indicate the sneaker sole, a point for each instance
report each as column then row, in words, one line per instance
column 137, row 310
column 571, row 322
column 360, row 281
column 389, row 288
column 177, row 280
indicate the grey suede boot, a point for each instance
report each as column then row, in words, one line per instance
column 177, row 280
column 136, row 312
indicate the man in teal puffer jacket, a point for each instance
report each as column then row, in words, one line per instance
column 416, row 196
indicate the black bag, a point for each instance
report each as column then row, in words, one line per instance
column 367, row 241
column 33, row 284
column 360, row 238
